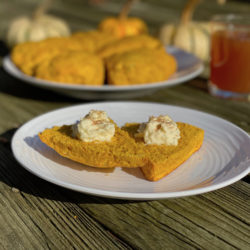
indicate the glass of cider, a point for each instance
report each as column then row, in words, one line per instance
column 230, row 57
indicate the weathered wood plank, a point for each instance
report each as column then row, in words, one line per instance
column 208, row 221
column 36, row 215
column 20, row 102
column 15, row 111
column 198, row 98
column 215, row 220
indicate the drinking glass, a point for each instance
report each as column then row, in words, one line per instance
column 230, row 57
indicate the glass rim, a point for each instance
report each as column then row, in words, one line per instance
column 237, row 19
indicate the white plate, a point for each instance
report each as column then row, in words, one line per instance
column 189, row 67
column 223, row 159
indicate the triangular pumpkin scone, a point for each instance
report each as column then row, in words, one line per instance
column 157, row 147
column 163, row 159
column 121, row 150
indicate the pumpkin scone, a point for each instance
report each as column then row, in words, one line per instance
column 28, row 55
column 167, row 144
column 158, row 147
column 93, row 39
column 95, row 141
column 22, row 54
column 72, row 67
column 140, row 66
column 128, row 44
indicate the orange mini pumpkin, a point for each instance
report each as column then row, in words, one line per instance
column 121, row 27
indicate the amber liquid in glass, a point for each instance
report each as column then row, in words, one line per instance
column 230, row 60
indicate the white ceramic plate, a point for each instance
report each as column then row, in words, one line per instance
column 189, row 67
column 223, row 159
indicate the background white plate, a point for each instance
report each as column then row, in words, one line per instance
column 223, row 159
column 189, row 67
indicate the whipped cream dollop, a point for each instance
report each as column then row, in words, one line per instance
column 161, row 130
column 95, row 126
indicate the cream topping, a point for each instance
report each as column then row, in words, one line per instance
column 161, row 130
column 95, row 126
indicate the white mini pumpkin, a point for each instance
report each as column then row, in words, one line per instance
column 36, row 28
column 188, row 35
column 193, row 37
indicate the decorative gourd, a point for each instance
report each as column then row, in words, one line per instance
column 37, row 27
column 123, row 25
column 188, row 35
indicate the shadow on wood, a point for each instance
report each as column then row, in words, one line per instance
column 15, row 87
column 15, row 176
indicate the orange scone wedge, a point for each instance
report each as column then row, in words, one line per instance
column 122, row 150
column 158, row 147
column 163, row 159
column 140, row 66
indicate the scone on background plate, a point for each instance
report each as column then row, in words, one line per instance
column 140, row 66
column 28, row 55
column 73, row 67
column 128, row 44
column 94, row 39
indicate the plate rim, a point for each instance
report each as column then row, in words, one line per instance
column 11, row 69
column 127, row 195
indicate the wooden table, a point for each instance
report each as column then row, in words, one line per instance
column 35, row 214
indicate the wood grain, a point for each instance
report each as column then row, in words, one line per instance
column 36, row 215
column 34, row 212
column 21, row 102
column 208, row 221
